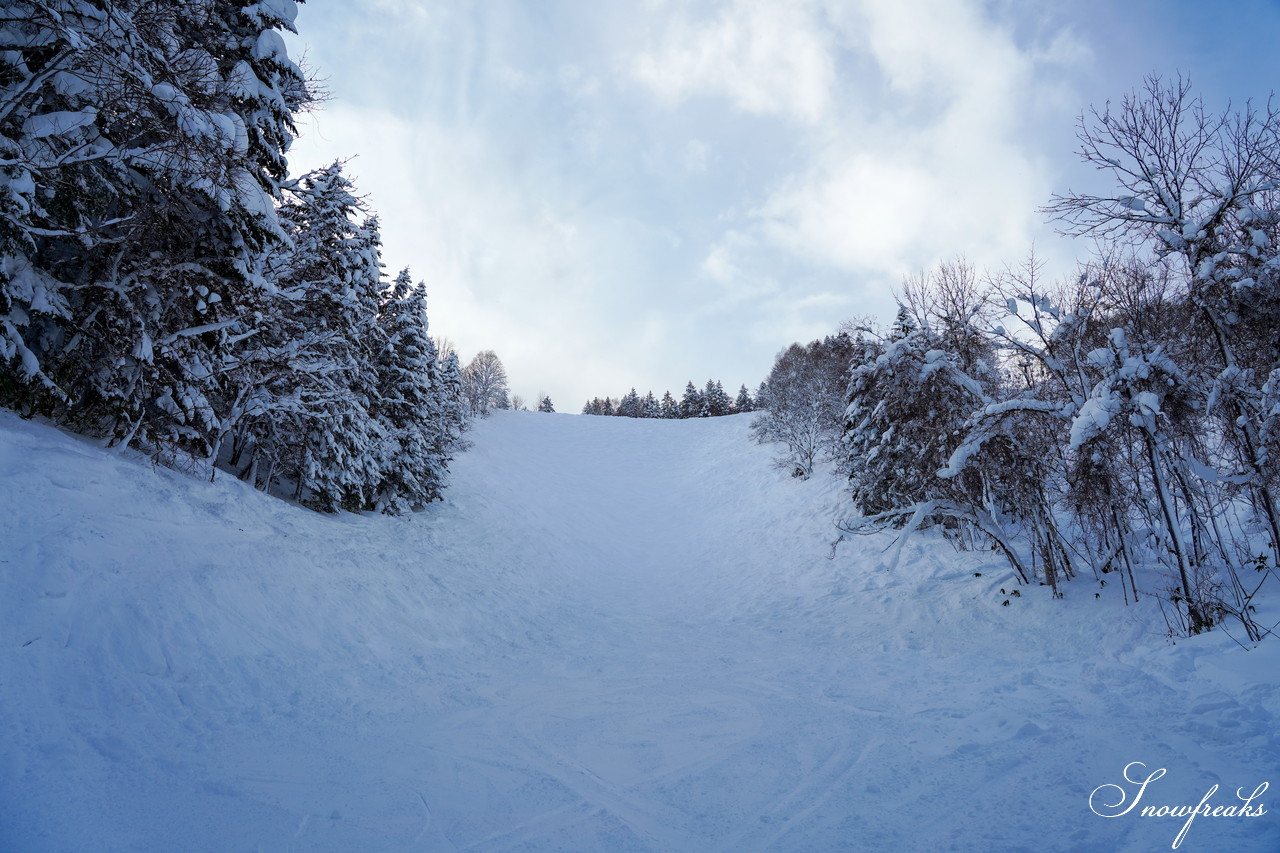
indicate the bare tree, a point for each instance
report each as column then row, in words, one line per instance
column 805, row 400
column 484, row 384
column 445, row 347
column 1201, row 189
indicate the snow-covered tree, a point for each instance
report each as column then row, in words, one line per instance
column 1201, row 187
column 1197, row 189
column 408, row 406
column 715, row 402
column 668, row 408
column 630, row 406
column 903, row 324
column 143, row 143
column 762, row 394
column 691, row 404
column 906, row 413
column 545, row 405
column 453, row 408
column 804, row 408
column 332, row 278
column 743, row 402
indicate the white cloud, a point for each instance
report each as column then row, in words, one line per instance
column 930, row 153
column 505, row 268
column 768, row 58
column 644, row 193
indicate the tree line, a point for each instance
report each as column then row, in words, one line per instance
column 1122, row 425
column 166, row 285
column 710, row 402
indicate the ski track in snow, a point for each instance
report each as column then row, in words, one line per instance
column 613, row 635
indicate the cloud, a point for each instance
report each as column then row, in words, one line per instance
column 769, row 58
column 624, row 194
column 505, row 267
column 926, row 148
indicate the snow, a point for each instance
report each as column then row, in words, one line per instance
column 285, row 11
column 613, row 634
column 1094, row 416
column 58, row 123
column 270, row 45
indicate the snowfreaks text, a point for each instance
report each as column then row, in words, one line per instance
column 1099, row 805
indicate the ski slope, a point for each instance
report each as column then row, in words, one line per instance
column 613, row 635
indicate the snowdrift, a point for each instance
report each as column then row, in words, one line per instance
column 612, row 634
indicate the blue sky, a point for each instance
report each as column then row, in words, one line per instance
column 612, row 194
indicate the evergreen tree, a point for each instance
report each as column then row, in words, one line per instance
column 668, row 408
column 715, row 402
column 630, row 406
column 906, row 414
column 649, row 408
column 903, row 324
column 743, row 402
column 143, row 147
column 333, row 277
column 545, row 405
column 691, row 403
column 452, row 406
column 414, row 460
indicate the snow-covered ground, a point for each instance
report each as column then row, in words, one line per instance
column 612, row 635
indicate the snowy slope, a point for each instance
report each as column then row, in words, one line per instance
column 613, row 635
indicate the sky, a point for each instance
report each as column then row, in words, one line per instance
column 642, row 193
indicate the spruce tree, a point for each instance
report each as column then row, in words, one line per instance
column 691, row 403
column 413, row 461
column 630, row 406
column 715, row 402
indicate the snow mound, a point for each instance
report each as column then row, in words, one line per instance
column 613, row 634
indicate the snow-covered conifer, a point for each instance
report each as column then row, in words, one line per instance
column 332, row 279
column 691, row 403
column 715, row 402
column 414, row 460
column 906, row 410
column 630, row 406
column 143, row 146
